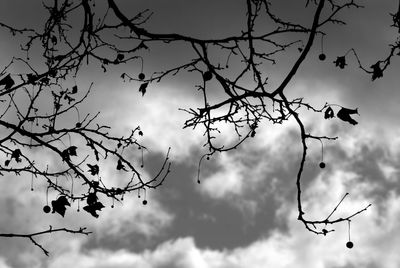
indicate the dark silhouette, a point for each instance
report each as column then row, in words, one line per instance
column 32, row 127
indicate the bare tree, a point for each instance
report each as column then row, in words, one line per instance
column 40, row 112
column 106, row 35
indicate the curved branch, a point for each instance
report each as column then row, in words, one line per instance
column 32, row 236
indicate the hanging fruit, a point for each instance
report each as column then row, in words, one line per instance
column 349, row 244
column 207, row 76
column 46, row 209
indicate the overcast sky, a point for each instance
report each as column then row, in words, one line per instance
column 244, row 213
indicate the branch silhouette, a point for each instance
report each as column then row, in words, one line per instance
column 246, row 100
column 32, row 236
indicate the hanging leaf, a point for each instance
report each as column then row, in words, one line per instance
column 31, row 78
column 72, row 150
column 60, row 204
column 376, row 71
column 340, row 62
column 74, row 89
column 92, row 198
column 324, row 231
column 329, row 113
column 93, row 169
column 92, row 209
column 65, row 155
column 143, row 87
column 120, row 166
column 16, row 154
column 7, row 82
column 344, row 114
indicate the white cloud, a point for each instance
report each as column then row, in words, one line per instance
column 3, row 263
column 242, row 170
column 159, row 118
column 294, row 248
column 227, row 181
column 274, row 144
column 133, row 217
column 390, row 172
column 298, row 248
column 22, row 213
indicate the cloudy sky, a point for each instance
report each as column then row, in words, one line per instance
column 244, row 212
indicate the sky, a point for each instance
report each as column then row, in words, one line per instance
column 244, row 212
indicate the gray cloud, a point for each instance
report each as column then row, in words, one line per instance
column 222, row 229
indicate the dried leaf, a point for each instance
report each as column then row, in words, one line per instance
column 65, row 155
column 344, row 114
column 72, row 150
column 93, row 169
column 143, row 87
column 31, row 78
column 16, row 154
column 329, row 113
column 92, row 198
column 376, row 71
column 92, row 209
column 74, row 89
column 340, row 62
column 60, row 204
column 7, row 82
column 120, row 166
